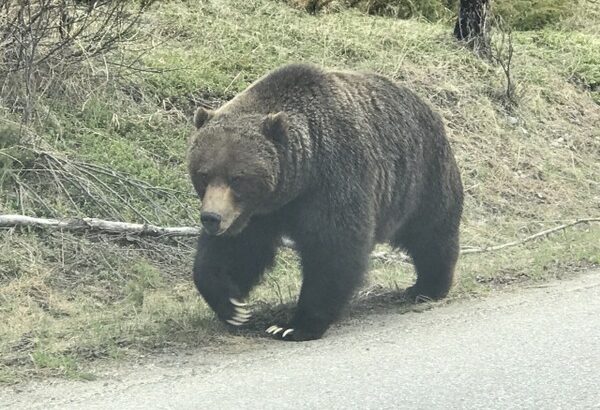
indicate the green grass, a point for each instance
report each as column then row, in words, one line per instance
column 64, row 365
column 68, row 300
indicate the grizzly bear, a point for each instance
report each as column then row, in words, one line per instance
column 337, row 161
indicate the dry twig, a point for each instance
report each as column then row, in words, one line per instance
column 529, row 238
column 94, row 224
column 109, row 192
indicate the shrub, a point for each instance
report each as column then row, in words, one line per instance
column 532, row 14
column 432, row 10
column 43, row 39
column 519, row 14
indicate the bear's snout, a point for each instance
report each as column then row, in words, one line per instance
column 211, row 222
column 219, row 209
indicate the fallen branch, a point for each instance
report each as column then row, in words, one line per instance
column 100, row 225
column 529, row 238
column 94, row 224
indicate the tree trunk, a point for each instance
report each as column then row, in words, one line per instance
column 472, row 20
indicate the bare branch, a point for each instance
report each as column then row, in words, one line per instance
column 100, row 225
column 103, row 226
column 41, row 37
column 529, row 238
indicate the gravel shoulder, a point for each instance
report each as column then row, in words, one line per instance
column 536, row 347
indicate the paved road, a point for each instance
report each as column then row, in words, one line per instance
column 536, row 348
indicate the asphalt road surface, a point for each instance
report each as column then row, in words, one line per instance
column 535, row 348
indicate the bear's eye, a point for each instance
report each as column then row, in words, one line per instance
column 202, row 175
column 236, row 182
column 200, row 187
column 200, row 181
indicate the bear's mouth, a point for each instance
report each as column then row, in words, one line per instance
column 235, row 227
column 230, row 226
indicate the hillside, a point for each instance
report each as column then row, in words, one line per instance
column 110, row 143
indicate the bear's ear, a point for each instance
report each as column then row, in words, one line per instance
column 201, row 116
column 275, row 127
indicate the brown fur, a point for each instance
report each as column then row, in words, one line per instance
column 338, row 161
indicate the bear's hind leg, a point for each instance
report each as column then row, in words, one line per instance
column 434, row 257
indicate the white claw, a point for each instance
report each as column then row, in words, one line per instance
column 241, row 311
column 271, row 329
column 236, row 302
column 243, row 315
column 279, row 329
column 287, row 332
column 234, row 322
column 240, row 319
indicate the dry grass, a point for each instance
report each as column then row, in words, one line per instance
column 65, row 300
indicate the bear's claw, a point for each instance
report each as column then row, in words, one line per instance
column 240, row 315
column 234, row 323
column 236, row 302
column 273, row 330
column 241, row 311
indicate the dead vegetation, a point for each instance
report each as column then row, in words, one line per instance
column 46, row 39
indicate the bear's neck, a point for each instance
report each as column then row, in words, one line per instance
column 296, row 169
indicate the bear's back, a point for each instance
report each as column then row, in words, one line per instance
column 316, row 92
column 281, row 88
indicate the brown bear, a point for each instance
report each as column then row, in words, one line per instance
column 337, row 161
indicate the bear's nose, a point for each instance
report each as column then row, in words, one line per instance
column 211, row 221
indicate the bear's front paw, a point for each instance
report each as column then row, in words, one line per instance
column 239, row 315
column 291, row 334
column 280, row 332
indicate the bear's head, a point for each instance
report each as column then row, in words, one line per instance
column 234, row 166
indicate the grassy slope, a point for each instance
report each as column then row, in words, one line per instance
column 65, row 299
